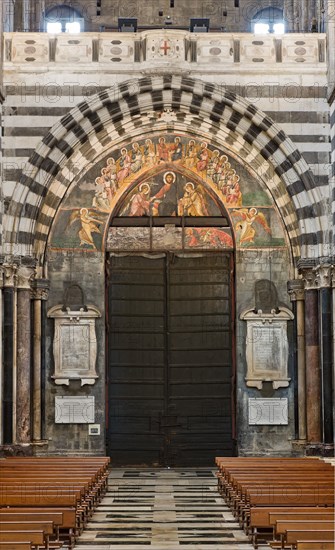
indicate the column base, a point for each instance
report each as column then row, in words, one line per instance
column 301, row 447
column 23, row 449
column 320, row 449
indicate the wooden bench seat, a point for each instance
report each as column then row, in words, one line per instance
column 315, row 545
column 294, row 535
column 282, row 527
column 15, row 546
column 68, row 486
column 35, row 538
column 273, row 484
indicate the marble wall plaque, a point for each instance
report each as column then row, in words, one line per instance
column 74, row 344
column 269, row 411
column 74, row 410
column 267, row 347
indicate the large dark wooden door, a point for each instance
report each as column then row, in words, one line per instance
column 170, row 359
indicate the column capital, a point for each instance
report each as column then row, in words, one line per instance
column 25, row 277
column 325, row 275
column 296, row 290
column 40, row 289
column 9, row 275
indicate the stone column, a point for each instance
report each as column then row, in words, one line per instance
column 9, row 353
column 1, row 355
column 23, row 391
column 39, row 294
column 313, row 374
column 324, row 275
column 37, row 10
column 297, row 295
column 289, row 15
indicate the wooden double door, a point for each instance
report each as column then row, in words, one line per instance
column 169, row 359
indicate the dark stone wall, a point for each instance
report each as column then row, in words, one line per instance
column 86, row 269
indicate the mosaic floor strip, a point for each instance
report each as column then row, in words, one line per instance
column 163, row 509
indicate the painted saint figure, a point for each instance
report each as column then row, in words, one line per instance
column 192, row 203
column 140, row 202
column 124, row 164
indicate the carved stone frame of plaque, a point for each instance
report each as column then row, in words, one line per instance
column 267, row 347
column 75, row 344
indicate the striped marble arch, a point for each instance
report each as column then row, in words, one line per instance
column 166, row 103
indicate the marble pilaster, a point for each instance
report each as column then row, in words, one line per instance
column 40, row 290
column 1, row 352
column 9, row 352
column 313, row 374
column 297, row 295
column 324, row 274
column 23, row 392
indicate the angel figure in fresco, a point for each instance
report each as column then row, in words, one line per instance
column 149, row 153
column 124, row 165
column 191, row 154
column 248, row 217
column 203, row 157
column 193, row 202
column 89, row 225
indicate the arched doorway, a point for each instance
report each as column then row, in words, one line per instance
column 49, row 217
column 170, row 318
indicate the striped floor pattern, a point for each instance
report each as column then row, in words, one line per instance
column 162, row 509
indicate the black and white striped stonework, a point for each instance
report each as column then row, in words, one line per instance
column 163, row 510
column 133, row 109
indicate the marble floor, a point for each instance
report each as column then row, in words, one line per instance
column 163, row 509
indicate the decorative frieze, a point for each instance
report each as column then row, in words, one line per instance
column 159, row 46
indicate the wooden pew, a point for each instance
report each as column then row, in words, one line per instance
column 15, row 545
column 71, row 486
column 35, row 538
column 248, row 484
column 46, row 526
column 315, row 545
column 263, row 520
column 293, row 536
column 282, row 527
column 7, row 514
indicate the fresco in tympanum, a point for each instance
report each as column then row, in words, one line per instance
column 169, row 175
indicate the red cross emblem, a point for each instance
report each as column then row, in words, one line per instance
column 165, row 46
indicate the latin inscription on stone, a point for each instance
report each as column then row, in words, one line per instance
column 269, row 411
column 74, row 410
column 266, row 347
column 75, row 347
